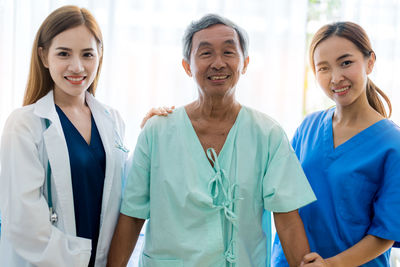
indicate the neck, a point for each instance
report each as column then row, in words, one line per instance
column 358, row 112
column 64, row 100
column 214, row 107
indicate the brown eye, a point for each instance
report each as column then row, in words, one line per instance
column 88, row 55
column 346, row 63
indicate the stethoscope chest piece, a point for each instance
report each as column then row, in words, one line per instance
column 53, row 216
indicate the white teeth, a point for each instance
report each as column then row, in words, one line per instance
column 218, row 77
column 75, row 79
column 341, row 90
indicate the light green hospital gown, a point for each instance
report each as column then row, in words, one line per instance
column 201, row 215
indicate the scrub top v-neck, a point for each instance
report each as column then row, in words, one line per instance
column 87, row 163
column 357, row 185
column 204, row 215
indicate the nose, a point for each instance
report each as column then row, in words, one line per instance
column 75, row 65
column 218, row 62
column 336, row 76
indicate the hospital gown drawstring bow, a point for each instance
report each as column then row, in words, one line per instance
column 224, row 197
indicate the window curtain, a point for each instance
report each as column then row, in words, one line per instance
column 143, row 53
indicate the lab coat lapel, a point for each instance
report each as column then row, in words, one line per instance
column 57, row 151
column 106, row 128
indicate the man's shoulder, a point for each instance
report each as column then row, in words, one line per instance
column 261, row 122
column 259, row 118
column 158, row 124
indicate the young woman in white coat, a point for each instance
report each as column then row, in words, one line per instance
column 62, row 153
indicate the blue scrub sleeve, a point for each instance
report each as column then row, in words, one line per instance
column 386, row 223
column 136, row 198
column 285, row 187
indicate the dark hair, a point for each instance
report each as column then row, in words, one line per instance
column 60, row 20
column 206, row 22
column 355, row 34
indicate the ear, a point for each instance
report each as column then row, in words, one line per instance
column 43, row 57
column 246, row 62
column 371, row 62
column 186, row 66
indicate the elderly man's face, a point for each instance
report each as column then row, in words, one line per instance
column 216, row 60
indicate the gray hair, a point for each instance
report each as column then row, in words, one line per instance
column 206, row 22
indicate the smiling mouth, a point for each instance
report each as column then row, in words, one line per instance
column 341, row 90
column 218, row 77
column 75, row 79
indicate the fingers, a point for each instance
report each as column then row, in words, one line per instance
column 169, row 109
column 312, row 259
column 161, row 111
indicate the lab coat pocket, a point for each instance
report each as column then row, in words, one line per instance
column 356, row 201
column 152, row 262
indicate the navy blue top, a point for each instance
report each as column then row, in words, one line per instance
column 87, row 164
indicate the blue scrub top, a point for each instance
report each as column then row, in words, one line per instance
column 87, row 164
column 357, row 185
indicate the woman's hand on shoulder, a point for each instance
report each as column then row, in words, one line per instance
column 314, row 260
column 161, row 111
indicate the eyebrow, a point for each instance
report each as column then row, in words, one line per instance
column 343, row 56
column 69, row 49
column 321, row 63
column 338, row 59
column 230, row 42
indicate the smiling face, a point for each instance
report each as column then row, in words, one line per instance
column 216, row 60
column 72, row 60
column 341, row 70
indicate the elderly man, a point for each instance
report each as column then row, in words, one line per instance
column 203, row 176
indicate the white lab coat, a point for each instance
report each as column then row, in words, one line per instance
column 28, row 238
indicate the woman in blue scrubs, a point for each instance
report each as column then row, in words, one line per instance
column 351, row 156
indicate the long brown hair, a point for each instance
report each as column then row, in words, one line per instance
column 355, row 34
column 61, row 19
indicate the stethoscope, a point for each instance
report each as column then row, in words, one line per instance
column 53, row 214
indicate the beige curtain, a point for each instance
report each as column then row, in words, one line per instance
column 142, row 60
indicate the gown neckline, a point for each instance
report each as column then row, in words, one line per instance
column 196, row 144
